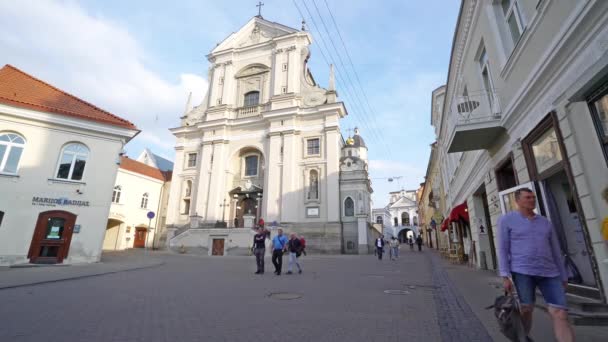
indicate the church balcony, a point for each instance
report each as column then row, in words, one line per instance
column 477, row 123
column 249, row 111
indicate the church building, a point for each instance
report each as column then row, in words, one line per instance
column 266, row 143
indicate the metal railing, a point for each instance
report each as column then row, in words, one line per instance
column 245, row 112
column 477, row 107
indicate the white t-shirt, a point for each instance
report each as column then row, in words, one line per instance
column 378, row 243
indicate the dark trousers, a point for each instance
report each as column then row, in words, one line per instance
column 419, row 247
column 379, row 251
column 259, row 258
column 277, row 260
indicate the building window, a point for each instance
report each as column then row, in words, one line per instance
column 379, row 219
column 313, row 185
column 313, row 147
column 73, row 160
column 405, row 219
column 191, row 159
column 251, row 166
column 186, row 209
column 144, row 201
column 415, row 220
column 116, row 194
column 513, row 18
column 486, row 78
column 349, row 207
column 599, row 112
column 11, row 148
column 1, row 217
column 252, row 98
column 396, row 222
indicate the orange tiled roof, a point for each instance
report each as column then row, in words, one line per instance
column 134, row 166
column 22, row 90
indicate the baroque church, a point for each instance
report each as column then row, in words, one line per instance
column 266, row 143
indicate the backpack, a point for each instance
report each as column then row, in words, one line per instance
column 506, row 311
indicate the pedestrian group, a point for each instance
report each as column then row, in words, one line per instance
column 294, row 245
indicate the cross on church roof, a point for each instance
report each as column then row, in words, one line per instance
column 259, row 6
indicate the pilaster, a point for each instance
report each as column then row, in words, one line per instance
column 272, row 180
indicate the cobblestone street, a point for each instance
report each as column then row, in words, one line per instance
column 190, row 298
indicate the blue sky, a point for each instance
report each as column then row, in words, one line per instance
column 139, row 59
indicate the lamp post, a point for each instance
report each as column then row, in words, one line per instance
column 259, row 206
column 223, row 206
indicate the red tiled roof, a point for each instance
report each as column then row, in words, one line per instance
column 141, row 168
column 22, row 90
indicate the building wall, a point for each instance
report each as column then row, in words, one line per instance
column 36, row 178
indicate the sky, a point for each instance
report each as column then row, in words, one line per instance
column 139, row 59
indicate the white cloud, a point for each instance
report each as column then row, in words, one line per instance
column 97, row 60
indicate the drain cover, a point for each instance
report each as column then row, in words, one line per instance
column 285, row 295
column 397, row 292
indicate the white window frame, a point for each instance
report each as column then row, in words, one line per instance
column 188, row 166
column 244, row 171
column 484, row 65
column 344, row 206
column 519, row 20
column 144, row 200
column 250, row 92
column 74, row 156
column 306, row 140
column 116, row 194
column 9, row 146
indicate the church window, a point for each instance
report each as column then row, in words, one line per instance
column 313, row 187
column 191, row 159
column 379, row 219
column 284, row 66
column 396, row 222
column 144, row 201
column 116, row 194
column 283, row 90
column 405, row 219
column 251, row 166
column 11, row 148
column 349, row 207
column 252, row 98
column 313, row 147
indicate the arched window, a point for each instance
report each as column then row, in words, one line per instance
column 415, row 220
column 188, row 188
column 396, row 222
column 251, row 166
column 116, row 194
column 349, row 207
column 379, row 219
column 11, row 148
column 73, row 160
column 313, row 185
column 405, row 219
column 252, row 98
column 144, row 201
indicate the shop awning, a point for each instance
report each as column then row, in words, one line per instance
column 459, row 212
column 444, row 225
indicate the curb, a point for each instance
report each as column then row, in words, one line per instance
column 81, row 276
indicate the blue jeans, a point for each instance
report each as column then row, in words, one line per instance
column 551, row 288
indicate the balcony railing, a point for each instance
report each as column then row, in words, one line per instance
column 477, row 107
column 246, row 112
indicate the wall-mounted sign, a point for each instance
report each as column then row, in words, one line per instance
column 76, row 228
column 53, row 202
column 312, row 212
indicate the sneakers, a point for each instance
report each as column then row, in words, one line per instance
column 300, row 272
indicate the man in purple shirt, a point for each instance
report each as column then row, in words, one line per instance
column 530, row 254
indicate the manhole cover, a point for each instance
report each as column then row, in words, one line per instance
column 285, row 296
column 397, row 292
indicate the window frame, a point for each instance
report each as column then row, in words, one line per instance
column 9, row 146
column 353, row 208
column 484, row 65
column 595, row 117
column 513, row 10
column 116, row 192
column 257, row 169
column 188, row 155
column 307, row 154
column 245, row 97
column 72, row 163
column 144, row 201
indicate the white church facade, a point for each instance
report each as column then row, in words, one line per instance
column 264, row 143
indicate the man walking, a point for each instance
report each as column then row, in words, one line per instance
column 380, row 246
column 295, row 248
column 530, row 254
column 394, row 244
column 279, row 245
column 259, row 249
column 419, row 242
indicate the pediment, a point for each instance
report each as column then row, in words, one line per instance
column 257, row 30
column 403, row 202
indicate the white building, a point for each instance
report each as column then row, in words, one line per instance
column 402, row 208
column 54, row 199
column 139, row 190
column 525, row 106
column 265, row 143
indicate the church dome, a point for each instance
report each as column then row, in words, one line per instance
column 357, row 140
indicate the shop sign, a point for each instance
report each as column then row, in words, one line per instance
column 53, row 202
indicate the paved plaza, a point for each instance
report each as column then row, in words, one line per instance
column 143, row 296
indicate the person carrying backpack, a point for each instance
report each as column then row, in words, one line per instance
column 303, row 243
column 295, row 247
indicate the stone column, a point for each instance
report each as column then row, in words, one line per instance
column 332, row 188
column 272, row 180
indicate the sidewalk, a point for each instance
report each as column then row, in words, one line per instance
column 480, row 288
column 111, row 262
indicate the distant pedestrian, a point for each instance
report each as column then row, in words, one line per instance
column 279, row 245
column 259, row 249
column 380, row 246
column 530, row 257
column 261, row 223
column 236, row 222
column 410, row 242
column 295, row 249
column 394, row 245
column 419, row 242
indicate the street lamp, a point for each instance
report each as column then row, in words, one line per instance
column 236, row 199
column 259, row 206
column 223, row 206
